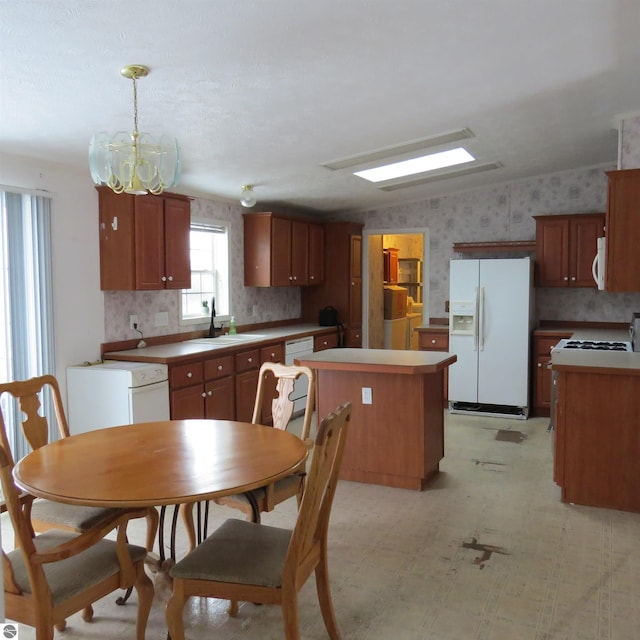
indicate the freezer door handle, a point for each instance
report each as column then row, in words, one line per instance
column 475, row 322
column 481, row 320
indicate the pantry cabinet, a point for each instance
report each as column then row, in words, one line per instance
column 280, row 251
column 565, row 248
column 144, row 241
column 342, row 286
column 622, row 271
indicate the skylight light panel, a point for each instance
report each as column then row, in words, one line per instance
column 430, row 162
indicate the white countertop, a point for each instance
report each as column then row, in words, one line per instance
column 249, row 340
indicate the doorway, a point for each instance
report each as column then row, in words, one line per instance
column 413, row 260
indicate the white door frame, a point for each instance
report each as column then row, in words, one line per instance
column 365, row 268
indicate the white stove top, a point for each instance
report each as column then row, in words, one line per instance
column 594, row 345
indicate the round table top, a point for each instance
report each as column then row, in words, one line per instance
column 158, row 463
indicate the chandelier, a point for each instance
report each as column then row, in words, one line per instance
column 135, row 162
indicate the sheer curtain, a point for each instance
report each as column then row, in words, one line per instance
column 26, row 307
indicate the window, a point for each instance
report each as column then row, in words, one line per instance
column 209, row 243
column 26, row 306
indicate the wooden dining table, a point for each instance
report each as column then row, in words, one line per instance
column 152, row 464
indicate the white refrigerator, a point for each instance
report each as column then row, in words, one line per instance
column 490, row 322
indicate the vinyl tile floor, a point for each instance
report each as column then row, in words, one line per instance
column 486, row 552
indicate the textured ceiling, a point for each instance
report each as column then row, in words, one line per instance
column 266, row 92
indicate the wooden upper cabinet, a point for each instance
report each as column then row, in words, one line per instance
column 565, row 248
column 622, row 271
column 278, row 251
column 316, row 253
column 390, row 261
column 144, row 242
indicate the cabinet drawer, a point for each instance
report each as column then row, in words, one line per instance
column 320, row 343
column 434, row 341
column 183, row 375
column 218, row 367
column 247, row 360
column 272, row 353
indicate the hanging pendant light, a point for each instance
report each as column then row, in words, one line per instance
column 135, row 162
column 247, row 198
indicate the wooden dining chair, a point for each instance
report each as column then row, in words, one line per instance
column 257, row 563
column 46, row 514
column 282, row 408
column 252, row 504
column 50, row 576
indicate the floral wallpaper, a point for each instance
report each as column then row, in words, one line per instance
column 499, row 212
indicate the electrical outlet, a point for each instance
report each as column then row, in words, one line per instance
column 366, row 395
column 133, row 320
column 162, row 319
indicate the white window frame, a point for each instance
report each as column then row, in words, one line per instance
column 223, row 299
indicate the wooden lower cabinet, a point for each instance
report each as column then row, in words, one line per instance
column 219, row 388
column 186, row 384
column 247, row 367
column 541, row 375
column 320, row 343
column 436, row 340
column 597, row 437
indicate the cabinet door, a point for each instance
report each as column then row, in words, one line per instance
column 316, row 254
column 280, row 252
column 552, row 252
column 585, row 231
column 623, row 231
column 220, row 399
column 320, row 343
column 299, row 253
column 355, row 284
column 149, row 242
column 246, row 387
column 177, row 226
column 188, row 402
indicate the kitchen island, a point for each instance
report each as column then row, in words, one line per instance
column 396, row 433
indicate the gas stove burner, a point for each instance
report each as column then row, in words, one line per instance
column 595, row 345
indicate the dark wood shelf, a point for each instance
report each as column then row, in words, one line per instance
column 501, row 245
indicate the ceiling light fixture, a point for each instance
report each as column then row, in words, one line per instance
column 134, row 162
column 429, row 162
column 247, row 198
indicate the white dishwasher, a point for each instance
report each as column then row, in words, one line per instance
column 113, row 393
column 293, row 349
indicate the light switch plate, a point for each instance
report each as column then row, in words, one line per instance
column 366, row 395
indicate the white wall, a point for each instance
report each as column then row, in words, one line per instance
column 78, row 307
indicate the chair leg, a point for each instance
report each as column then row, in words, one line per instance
column 186, row 511
column 174, row 612
column 87, row 615
column 289, row 606
column 233, row 608
column 61, row 626
column 145, row 591
column 152, row 528
column 44, row 630
column 324, row 598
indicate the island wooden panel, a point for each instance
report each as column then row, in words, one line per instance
column 398, row 439
column 597, row 439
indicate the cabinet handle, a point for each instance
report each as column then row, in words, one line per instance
column 170, row 278
column 204, row 395
column 273, row 355
column 539, row 364
column 164, row 278
column 311, row 277
column 325, row 343
column 433, row 341
column 189, row 375
column 249, row 359
column 565, row 278
column 573, row 278
column 209, row 393
column 219, row 367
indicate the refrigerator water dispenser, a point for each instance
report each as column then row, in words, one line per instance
column 462, row 318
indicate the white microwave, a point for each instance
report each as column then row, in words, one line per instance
column 599, row 262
